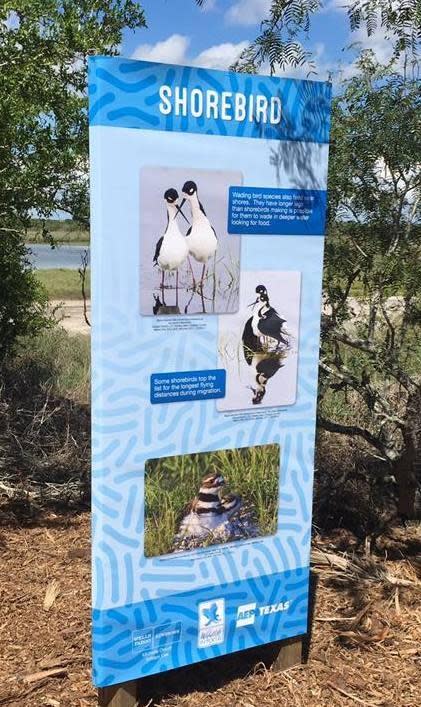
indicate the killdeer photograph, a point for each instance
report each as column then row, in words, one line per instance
column 197, row 500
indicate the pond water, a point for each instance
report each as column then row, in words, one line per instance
column 44, row 257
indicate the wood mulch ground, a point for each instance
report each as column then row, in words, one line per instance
column 365, row 648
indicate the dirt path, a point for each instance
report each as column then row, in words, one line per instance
column 69, row 313
column 372, row 658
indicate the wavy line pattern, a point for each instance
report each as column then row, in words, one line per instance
column 116, row 658
column 126, row 94
column 131, row 592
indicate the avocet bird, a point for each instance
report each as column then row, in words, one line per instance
column 264, row 343
column 201, row 237
column 209, row 511
column 171, row 250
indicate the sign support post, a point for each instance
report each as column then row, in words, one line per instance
column 127, row 694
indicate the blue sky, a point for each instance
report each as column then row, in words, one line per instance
column 179, row 32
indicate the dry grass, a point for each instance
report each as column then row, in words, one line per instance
column 365, row 647
column 44, row 435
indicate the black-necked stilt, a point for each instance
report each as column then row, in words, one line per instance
column 264, row 343
column 171, row 250
column 266, row 321
column 208, row 511
column 201, row 237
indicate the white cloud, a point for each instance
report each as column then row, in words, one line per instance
column 172, row 50
column 378, row 42
column 248, row 12
column 220, row 56
column 209, row 5
column 334, row 6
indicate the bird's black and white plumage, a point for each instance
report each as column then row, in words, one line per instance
column 266, row 321
column 209, row 510
column 264, row 343
column 201, row 237
column 171, row 249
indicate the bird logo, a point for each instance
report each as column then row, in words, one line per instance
column 211, row 614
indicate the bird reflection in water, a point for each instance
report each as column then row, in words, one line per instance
column 265, row 343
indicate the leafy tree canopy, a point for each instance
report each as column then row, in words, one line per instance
column 279, row 42
column 44, row 46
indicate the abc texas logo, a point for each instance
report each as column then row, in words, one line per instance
column 246, row 613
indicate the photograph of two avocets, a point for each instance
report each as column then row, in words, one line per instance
column 190, row 265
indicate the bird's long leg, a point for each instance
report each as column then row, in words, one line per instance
column 214, row 282
column 162, row 286
column 176, row 288
column 201, row 287
column 192, row 273
column 202, row 277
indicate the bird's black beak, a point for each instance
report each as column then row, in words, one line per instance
column 180, row 211
column 253, row 303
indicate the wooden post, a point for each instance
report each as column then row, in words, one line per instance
column 290, row 654
column 122, row 695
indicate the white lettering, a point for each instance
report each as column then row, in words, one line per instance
column 165, row 95
column 225, row 105
column 212, row 104
column 240, row 107
column 180, row 101
column 196, row 98
column 275, row 110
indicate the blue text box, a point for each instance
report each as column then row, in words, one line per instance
column 176, row 387
column 276, row 212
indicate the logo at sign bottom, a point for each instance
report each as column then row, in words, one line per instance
column 211, row 623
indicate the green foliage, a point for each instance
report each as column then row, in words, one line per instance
column 62, row 231
column 369, row 348
column 172, row 482
column 44, row 45
column 22, row 297
column 279, row 43
column 63, row 283
column 62, row 362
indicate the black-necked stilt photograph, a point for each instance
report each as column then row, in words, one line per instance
column 258, row 346
column 189, row 264
column 193, row 501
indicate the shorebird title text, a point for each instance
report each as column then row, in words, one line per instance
column 226, row 105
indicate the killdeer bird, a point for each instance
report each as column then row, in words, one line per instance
column 171, row 250
column 208, row 511
column 201, row 237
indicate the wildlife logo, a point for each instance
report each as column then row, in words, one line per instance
column 195, row 501
column 189, row 263
column 258, row 347
column 211, row 623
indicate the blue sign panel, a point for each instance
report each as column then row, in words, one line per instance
column 207, row 252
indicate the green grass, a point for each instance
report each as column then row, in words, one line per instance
column 65, row 231
column 61, row 362
column 172, row 482
column 62, row 283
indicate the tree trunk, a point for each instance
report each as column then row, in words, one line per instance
column 407, row 469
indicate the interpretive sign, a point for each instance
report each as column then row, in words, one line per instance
column 208, row 211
